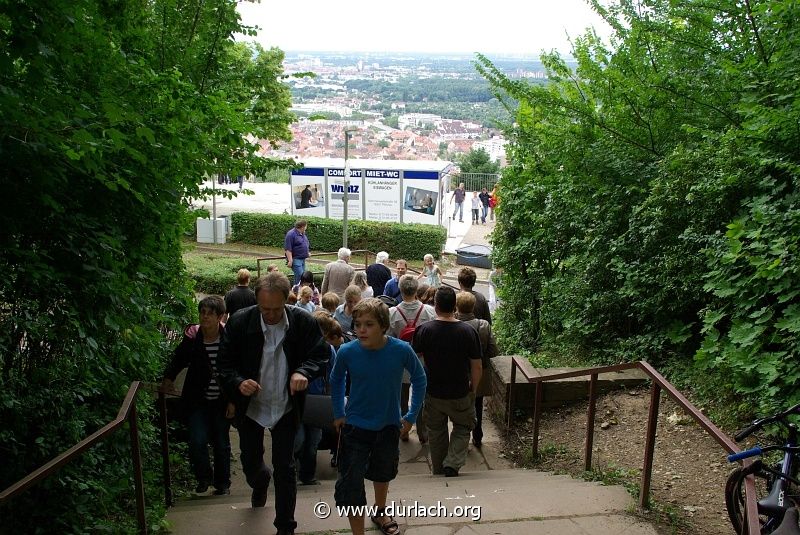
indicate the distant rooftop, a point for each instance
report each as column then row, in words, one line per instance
column 364, row 163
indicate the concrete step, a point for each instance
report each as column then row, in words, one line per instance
column 508, row 496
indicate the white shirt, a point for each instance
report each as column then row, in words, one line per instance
column 269, row 404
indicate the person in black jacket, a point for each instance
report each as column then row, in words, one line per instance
column 268, row 355
column 204, row 405
column 378, row 274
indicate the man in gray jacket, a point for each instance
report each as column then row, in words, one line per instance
column 338, row 274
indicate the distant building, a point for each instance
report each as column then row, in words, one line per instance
column 494, row 147
column 418, row 120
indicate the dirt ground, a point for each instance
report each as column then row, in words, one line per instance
column 689, row 469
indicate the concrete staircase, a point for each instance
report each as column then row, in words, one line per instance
column 511, row 501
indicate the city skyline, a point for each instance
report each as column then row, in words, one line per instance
column 445, row 26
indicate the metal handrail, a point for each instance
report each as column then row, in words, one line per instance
column 127, row 412
column 658, row 383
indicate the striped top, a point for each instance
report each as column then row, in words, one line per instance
column 213, row 389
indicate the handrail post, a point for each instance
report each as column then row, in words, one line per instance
column 650, row 444
column 751, row 526
column 137, row 470
column 537, row 412
column 509, row 411
column 162, row 413
column 587, row 448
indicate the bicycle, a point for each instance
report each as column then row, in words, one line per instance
column 777, row 487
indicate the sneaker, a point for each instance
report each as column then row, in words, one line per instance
column 201, row 488
column 259, row 497
column 312, row 481
column 450, row 472
column 222, row 492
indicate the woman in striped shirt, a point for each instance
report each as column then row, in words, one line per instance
column 203, row 403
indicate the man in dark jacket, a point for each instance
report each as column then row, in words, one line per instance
column 378, row 274
column 466, row 280
column 241, row 296
column 203, row 404
column 269, row 353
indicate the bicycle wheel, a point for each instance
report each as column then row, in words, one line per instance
column 735, row 497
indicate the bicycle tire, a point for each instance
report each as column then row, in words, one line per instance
column 735, row 497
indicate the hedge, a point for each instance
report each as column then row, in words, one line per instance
column 215, row 274
column 400, row 240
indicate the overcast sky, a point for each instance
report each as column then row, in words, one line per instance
column 490, row 27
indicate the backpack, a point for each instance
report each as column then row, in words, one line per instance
column 407, row 333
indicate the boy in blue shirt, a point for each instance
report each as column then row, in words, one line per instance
column 370, row 423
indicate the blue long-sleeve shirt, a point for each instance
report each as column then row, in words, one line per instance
column 376, row 377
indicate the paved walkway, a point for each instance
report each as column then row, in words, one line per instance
column 510, row 501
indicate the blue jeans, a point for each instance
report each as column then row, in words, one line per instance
column 257, row 474
column 305, row 450
column 298, row 267
column 460, row 210
column 484, row 210
column 207, row 424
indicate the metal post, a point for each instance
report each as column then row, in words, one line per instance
column 587, row 449
column 537, row 413
column 650, row 444
column 509, row 407
column 162, row 413
column 137, row 470
column 345, row 197
column 214, row 209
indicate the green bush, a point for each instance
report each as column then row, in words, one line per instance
column 400, row 240
column 214, row 274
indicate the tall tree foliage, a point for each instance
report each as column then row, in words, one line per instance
column 111, row 113
column 650, row 205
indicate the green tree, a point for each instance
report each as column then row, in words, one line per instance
column 649, row 208
column 477, row 161
column 111, row 114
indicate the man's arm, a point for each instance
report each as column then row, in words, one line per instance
column 229, row 358
column 419, row 383
column 325, row 280
column 475, row 371
column 314, row 348
column 179, row 361
column 491, row 347
column 287, row 248
column 337, row 384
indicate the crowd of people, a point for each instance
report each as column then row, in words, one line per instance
column 413, row 355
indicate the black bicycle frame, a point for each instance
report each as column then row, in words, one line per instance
column 774, row 504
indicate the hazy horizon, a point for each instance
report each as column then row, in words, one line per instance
column 448, row 27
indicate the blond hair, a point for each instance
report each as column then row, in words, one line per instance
column 243, row 277
column 465, row 302
column 330, row 327
column 330, row 301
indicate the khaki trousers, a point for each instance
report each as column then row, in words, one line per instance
column 449, row 449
